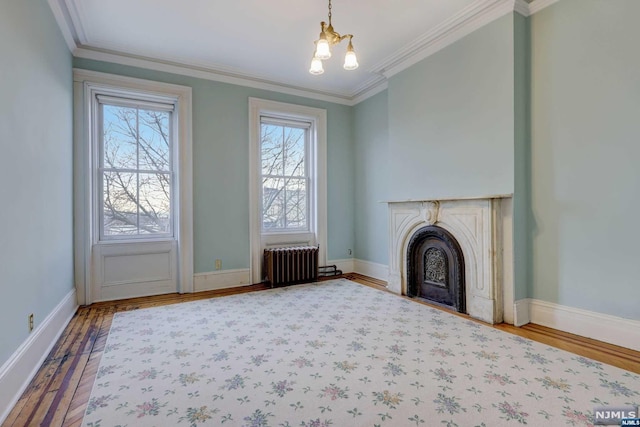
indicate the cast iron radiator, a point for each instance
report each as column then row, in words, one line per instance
column 284, row 266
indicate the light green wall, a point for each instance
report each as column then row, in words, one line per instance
column 371, row 179
column 221, row 166
column 451, row 119
column 585, row 151
column 36, row 253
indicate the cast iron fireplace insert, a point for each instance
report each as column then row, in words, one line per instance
column 435, row 268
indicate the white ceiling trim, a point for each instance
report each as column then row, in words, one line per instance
column 62, row 18
column 207, row 74
column 381, row 86
column 370, row 84
column 456, row 21
column 77, row 17
column 467, row 21
column 522, row 7
column 114, row 49
column 68, row 14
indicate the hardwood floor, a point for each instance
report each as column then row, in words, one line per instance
column 58, row 394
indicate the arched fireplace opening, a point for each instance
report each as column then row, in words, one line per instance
column 435, row 268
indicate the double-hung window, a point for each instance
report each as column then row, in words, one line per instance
column 133, row 182
column 284, row 151
column 288, row 183
column 135, row 177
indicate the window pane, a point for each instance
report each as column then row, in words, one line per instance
column 136, row 170
column 154, row 140
column 294, row 143
column 155, row 206
column 296, row 203
column 120, row 209
column 273, row 203
column 284, row 176
column 119, row 137
column 271, row 149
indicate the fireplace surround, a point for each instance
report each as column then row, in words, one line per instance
column 481, row 227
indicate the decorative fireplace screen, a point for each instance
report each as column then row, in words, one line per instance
column 435, row 267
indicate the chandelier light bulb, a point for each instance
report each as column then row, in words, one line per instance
column 350, row 60
column 323, row 51
column 316, row 66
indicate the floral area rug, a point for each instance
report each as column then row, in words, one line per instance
column 338, row 354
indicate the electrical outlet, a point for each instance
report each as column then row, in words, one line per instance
column 218, row 264
column 31, row 322
column 349, row 252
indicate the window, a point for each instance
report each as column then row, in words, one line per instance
column 135, row 169
column 287, row 175
column 284, row 150
column 133, row 182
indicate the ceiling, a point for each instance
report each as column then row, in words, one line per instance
column 271, row 41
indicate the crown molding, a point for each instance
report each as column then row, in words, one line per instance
column 373, row 89
column 69, row 16
column 76, row 13
column 376, row 84
column 538, row 5
column 61, row 14
column 210, row 74
column 473, row 17
column 522, row 7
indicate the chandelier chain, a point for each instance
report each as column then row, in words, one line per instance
column 329, row 11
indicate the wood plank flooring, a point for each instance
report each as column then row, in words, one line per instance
column 59, row 393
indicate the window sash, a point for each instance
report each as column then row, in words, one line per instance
column 143, row 104
column 101, row 170
column 285, row 179
column 286, row 122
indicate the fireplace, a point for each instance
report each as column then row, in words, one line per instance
column 479, row 275
column 435, row 268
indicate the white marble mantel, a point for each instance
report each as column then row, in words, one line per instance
column 478, row 224
column 446, row 199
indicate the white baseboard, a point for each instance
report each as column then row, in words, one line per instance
column 371, row 269
column 521, row 312
column 346, row 265
column 222, row 279
column 19, row 370
column 602, row 327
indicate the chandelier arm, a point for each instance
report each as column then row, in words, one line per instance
column 334, row 37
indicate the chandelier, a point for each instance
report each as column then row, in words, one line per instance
column 328, row 37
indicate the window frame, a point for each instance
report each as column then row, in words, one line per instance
column 318, row 152
column 85, row 84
